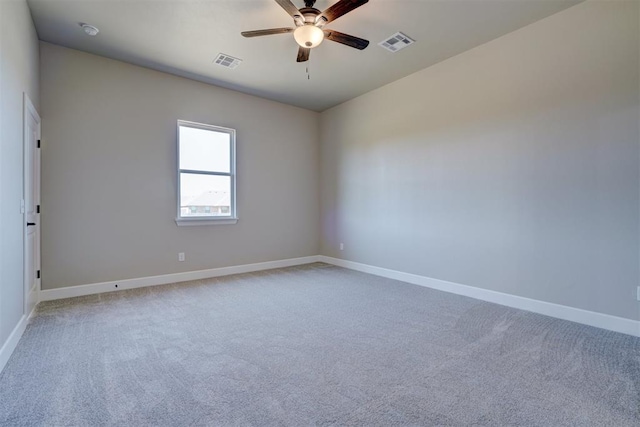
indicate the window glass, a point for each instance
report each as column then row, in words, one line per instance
column 204, row 195
column 205, row 150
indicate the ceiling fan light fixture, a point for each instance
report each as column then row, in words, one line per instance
column 308, row 36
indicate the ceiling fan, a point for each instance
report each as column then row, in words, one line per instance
column 309, row 31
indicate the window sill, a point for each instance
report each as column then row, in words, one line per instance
column 205, row 221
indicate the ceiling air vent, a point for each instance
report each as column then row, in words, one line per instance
column 396, row 42
column 227, row 61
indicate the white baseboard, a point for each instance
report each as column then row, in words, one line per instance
column 591, row 318
column 119, row 285
column 12, row 342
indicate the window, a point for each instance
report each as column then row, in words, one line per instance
column 206, row 174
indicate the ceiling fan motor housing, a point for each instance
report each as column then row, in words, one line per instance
column 309, row 16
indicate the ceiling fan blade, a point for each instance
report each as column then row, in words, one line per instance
column 289, row 7
column 271, row 31
column 346, row 39
column 337, row 10
column 303, row 54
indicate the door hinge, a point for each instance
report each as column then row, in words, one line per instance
column 38, row 274
column 38, row 143
column 38, row 209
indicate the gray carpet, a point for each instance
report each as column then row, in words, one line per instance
column 313, row 345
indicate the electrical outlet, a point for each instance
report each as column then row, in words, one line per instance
column 342, row 246
column 181, row 256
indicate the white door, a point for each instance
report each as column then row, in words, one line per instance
column 31, row 205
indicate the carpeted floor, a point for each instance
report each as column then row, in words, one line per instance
column 313, row 345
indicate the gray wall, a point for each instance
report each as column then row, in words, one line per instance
column 109, row 178
column 18, row 74
column 512, row 167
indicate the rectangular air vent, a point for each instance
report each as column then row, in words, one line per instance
column 227, row 61
column 396, row 42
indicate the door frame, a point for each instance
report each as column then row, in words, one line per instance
column 30, row 298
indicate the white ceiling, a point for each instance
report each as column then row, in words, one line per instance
column 183, row 37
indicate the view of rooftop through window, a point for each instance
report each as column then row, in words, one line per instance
column 205, row 172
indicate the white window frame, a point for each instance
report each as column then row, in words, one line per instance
column 209, row 220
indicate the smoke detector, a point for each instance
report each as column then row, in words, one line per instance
column 89, row 29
